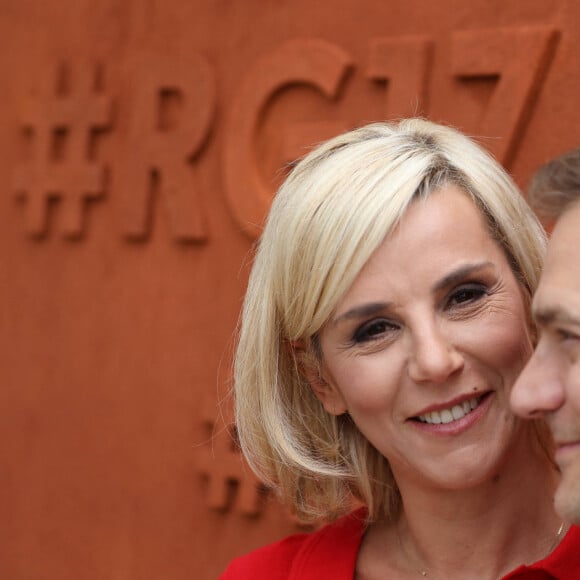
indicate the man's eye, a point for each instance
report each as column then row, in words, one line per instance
column 466, row 294
column 373, row 330
column 566, row 335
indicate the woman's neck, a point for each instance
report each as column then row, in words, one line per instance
column 481, row 532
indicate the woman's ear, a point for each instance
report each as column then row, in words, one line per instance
column 323, row 387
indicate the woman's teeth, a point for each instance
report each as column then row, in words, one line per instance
column 451, row 414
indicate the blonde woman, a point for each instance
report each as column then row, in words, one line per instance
column 385, row 322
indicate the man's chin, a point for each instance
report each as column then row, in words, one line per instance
column 567, row 498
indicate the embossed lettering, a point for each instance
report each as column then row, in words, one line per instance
column 519, row 59
column 231, row 482
column 168, row 118
column 404, row 63
column 306, row 61
column 59, row 130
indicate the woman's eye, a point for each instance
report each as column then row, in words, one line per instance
column 466, row 294
column 373, row 330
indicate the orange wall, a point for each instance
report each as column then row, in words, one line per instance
column 141, row 143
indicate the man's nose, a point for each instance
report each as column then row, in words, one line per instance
column 539, row 387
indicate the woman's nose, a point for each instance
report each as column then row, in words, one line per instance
column 434, row 358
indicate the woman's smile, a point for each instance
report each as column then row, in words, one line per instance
column 454, row 418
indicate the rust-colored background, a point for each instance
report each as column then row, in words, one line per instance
column 140, row 143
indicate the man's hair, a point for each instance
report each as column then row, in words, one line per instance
column 556, row 185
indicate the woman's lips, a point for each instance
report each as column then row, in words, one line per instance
column 455, row 416
column 450, row 413
column 455, row 402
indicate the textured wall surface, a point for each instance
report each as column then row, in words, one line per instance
column 141, row 143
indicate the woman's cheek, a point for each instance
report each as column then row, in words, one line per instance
column 504, row 345
column 370, row 383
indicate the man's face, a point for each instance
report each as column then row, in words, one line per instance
column 549, row 385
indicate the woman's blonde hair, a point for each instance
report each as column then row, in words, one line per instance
column 331, row 213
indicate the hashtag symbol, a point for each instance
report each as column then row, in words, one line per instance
column 61, row 131
column 230, row 481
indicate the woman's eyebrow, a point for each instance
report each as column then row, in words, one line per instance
column 460, row 274
column 361, row 311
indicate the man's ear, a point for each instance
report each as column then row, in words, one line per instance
column 323, row 387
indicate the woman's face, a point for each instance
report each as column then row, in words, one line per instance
column 423, row 350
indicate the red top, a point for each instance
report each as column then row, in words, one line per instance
column 331, row 553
